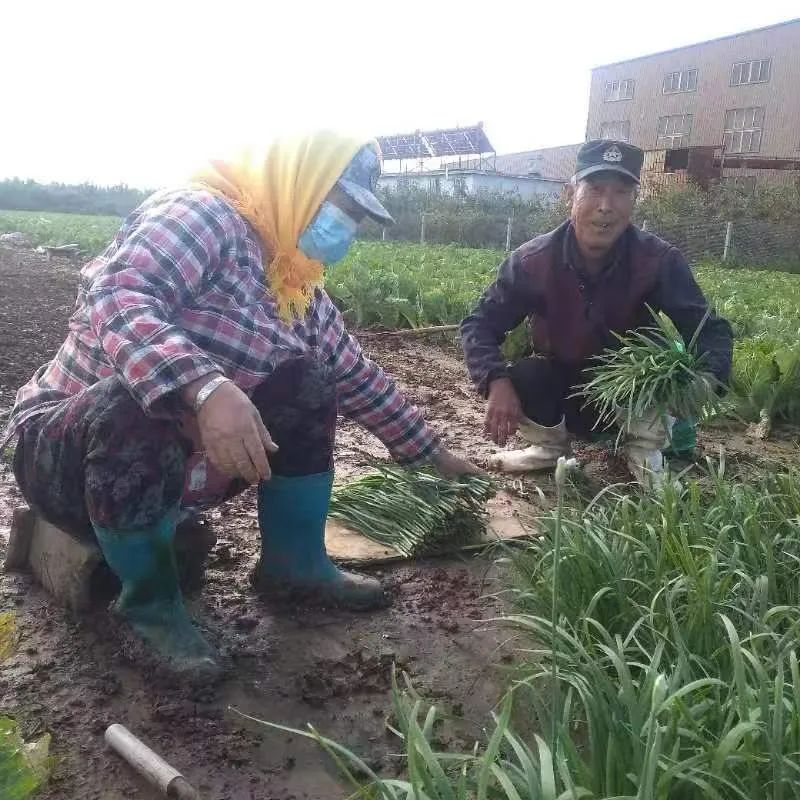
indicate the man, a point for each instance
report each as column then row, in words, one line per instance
column 591, row 277
column 203, row 356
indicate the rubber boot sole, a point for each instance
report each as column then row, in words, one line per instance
column 355, row 592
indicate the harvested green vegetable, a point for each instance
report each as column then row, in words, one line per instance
column 413, row 511
column 651, row 372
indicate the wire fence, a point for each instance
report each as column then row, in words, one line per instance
column 756, row 244
column 467, row 228
column 753, row 243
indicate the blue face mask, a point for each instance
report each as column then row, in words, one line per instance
column 329, row 236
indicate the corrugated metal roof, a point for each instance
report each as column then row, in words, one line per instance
column 553, row 163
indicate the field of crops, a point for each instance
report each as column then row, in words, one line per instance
column 91, row 233
column 401, row 285
column 406, row 285
column 657, row 638
column 392, row 285
column 655, row 634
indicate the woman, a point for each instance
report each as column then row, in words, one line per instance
column 204, row 355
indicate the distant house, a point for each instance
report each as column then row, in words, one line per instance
column 550, row 163
column 531, row 173
column 468, row 181
column 468, row 164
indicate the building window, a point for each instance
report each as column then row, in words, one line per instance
column 618, row 90
column 683, row 81
column 620, row 130
column 743, row 129
column 675, row 160
column 674, row 131
column 757, row 71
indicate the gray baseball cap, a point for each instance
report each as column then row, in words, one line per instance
column 603, row 155
column 359, row 181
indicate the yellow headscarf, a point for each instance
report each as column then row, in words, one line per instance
column 279, row 190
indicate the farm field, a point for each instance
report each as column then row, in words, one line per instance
column 387, row 286
column 91, row 233
column 677, row 615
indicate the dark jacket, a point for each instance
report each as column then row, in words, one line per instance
column 572, row 315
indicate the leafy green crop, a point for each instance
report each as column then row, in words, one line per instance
column 93, row 234
column 673, row 635
column 391, row 285
column 23, row 766
column 648, row 372
column 408, row 286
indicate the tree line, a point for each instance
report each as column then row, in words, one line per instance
column 84, row 198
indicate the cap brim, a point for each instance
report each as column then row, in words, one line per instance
column 584, row 173
column 366, row 200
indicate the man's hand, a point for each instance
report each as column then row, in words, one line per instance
column 503, row 411
column 452, row 466
column 234, row 437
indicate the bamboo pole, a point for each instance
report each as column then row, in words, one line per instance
column 167, row 779
column 412, row 331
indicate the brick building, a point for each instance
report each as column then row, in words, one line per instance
column 736, row 99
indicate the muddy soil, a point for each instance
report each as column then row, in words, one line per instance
column 74, row 676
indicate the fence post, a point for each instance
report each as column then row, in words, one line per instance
column 422, row 228
column 728, row 237
column 508, row 235
column 644, row 225
column 383, row 234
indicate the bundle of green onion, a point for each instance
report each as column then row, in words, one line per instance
column 413, row 511
column 651, row 372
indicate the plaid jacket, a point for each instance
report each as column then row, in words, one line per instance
column 180, row 293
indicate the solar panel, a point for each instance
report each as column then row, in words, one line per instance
column 430, row 144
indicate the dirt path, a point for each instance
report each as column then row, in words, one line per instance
column 73, row 677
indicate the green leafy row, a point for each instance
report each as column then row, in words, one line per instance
column 672, row 635
column 396, row 285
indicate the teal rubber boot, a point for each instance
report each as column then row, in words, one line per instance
column 294, row 563
column 151, row 601
column 683, row 439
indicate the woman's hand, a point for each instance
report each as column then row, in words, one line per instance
column 233, row 434
column 452, row 466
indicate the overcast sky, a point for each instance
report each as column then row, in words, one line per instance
column 140, row 92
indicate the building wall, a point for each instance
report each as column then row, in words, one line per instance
column 472, row 183
column 524, row 187
column 550, row 163
column 427, row 183
column 714, row 95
